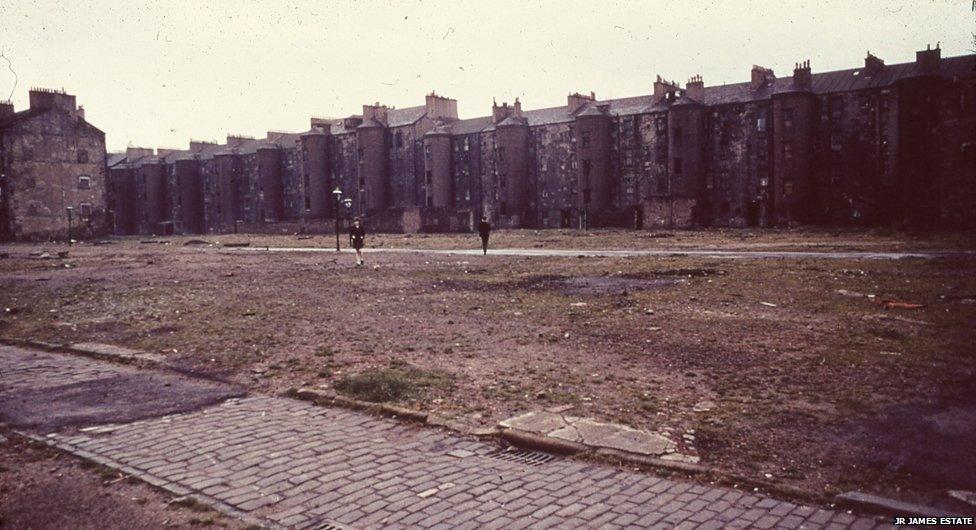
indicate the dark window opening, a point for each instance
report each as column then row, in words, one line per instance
column 678, row 166
column 788, row 118
column 503, row 208
column 676, row 137
column 399, row 140
column 308, row 203
column 84, row 183
column 585, row 139
column 430, row 177
column 82, row 156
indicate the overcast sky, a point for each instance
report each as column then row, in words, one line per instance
column 157, row 74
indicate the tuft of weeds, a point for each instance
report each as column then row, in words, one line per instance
column 324, row 351
column 398, row 383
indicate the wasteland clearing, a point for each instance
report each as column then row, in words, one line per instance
column 819, row 374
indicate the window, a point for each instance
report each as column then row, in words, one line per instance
column 360, row 154
column 501, row 153
column 84, row 183
column 836, row 105
column 676, row 137
column 678, row 166
column 662, row 185
column 399, row 140
column 661, row 125
column 82, row 156
column 761, row 124
column 787, row 150
column 584, row 138
column 430, row 200
column 787, row 118
column 586, row 169
column 430, row 177
column 467, row 144
column 86, row 210
column 836, row 141
column 503, row 208
column 308, row 203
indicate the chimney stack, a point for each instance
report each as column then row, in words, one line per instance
column 500, row 112
column 376, row 112
column 6, row 109
column 761, row 77
column 440, row 108
column 663, row 87
column 928, row 60
column 802, row 79
column 196, row 146
column 695, row 89
column 576, row 101
column 872, row 65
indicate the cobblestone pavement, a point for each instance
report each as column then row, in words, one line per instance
column 285, row 463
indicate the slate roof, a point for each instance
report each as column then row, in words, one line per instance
column 113, row 159
column 471, row 125
column 405, row 116
column 20, row 116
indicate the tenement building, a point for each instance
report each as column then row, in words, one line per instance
column 875, row 145
column 52, row 166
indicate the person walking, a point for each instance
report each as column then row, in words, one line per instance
column 357, row 237
column 484, row 229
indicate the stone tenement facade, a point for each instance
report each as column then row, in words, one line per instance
column 877, row 145
column 50, row 159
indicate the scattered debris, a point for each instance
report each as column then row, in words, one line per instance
column 893, row 304
column 245, row 244
column 855, row 294
column 703, row 406
column 768, row 304
column 897, row 319
column 189, row 242
column 968, row 497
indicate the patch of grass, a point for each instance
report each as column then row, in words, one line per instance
column 324, row 351
column 397, row 383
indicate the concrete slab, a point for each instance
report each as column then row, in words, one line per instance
column 592, row 433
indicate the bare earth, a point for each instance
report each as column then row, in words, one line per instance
column 42, row 488
column 790, row 371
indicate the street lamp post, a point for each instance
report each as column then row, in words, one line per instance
column 337, row 193
column 69, row 209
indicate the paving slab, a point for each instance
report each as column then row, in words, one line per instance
column 593, row 433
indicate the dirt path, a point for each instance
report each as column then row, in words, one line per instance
column 675, row 252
